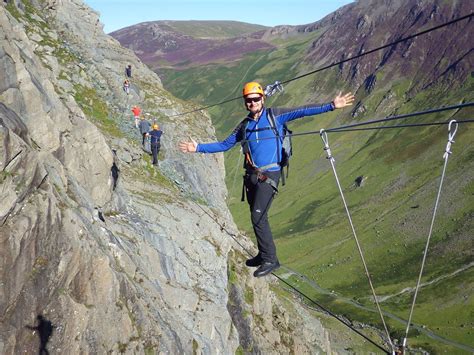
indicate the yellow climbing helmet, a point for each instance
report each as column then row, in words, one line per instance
column 252, row 88
column 155, row 126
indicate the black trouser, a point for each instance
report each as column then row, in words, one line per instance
column 260, row 196
column 155, row 149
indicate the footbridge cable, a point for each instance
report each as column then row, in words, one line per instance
column 324, row 309
column 295, row 289
column 408, row 125
column 458, row 19
column 331, row 159
column 353, row 127
column 403, row 116
column 452, row 129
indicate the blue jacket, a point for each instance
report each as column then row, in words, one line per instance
column 155, row 136
column 263, row 151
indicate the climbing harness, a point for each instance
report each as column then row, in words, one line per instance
column 451, row 133
column 331, row 159
column 255, row 176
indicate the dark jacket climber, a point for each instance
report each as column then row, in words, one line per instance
column 155, row 136
column 262, row 162
column 144, row 127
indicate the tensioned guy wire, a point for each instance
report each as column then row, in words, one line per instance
column 324, row 138
column 447, row 153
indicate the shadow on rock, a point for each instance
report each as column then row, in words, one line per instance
column 45, row 330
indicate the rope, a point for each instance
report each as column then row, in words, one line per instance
column 403, row 126
column 340, row 62
column 382, row 47
column 447, row 153
column 331, row 159
column 407, row 115
column 223, row 228
column 206, row 107
column 330, row 313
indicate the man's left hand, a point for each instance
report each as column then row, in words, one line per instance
column 341, row 101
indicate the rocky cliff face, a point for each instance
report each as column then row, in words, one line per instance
column 146, row 267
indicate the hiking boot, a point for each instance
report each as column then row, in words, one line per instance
column 266, row 268
column 255, row 261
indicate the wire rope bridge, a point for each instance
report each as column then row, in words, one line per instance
column 452, row 130
column 452, row 126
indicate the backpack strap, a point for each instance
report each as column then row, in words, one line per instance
column 271, row 119
column 248, row 162
column 245, row 150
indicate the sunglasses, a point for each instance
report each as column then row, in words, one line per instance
column 253, row 99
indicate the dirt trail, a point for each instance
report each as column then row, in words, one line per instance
column 422, row 329
column 424, row 284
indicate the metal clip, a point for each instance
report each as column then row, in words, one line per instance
column 324, row 137
column 451, row 135
column 274, row 88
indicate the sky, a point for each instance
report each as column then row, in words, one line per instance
column 116, row 14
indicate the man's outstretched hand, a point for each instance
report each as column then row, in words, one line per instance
column 188, row 147
column 341, row 101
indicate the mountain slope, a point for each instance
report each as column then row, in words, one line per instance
column 175, row 43
column 400, row 169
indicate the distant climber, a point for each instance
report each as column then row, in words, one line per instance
column 262, row 161
column 136, row 114
column 115, row 171
column 155, row 136
column 45, row 330
column 128, row 71
column 115, row 174
column 126, row 86
column 144, row 127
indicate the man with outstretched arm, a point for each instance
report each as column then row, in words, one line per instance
column 262, row 161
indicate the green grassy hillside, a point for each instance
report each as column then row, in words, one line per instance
column 213, row 29
column 391, row 211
